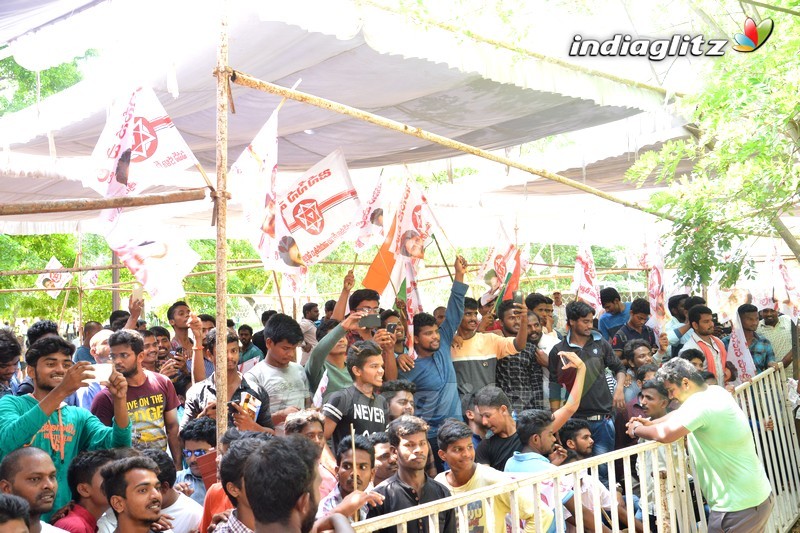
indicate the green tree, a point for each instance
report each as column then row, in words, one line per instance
column 745, row 173
column 23, row 81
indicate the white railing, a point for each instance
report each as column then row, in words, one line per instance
column 677, row 503
column 764, row 399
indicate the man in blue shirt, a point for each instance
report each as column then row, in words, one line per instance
column 616, row 313
column 760, row 347
column 433, row 373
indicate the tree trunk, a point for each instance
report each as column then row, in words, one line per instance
column 787, row 236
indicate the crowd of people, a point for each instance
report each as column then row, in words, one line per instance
column 120, row 432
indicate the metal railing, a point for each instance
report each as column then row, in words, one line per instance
column 665, row 476
column 764, row 399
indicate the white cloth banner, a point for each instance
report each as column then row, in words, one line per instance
column 55, row 281
column 253, row 178
column 739, row 353
column 496, row 265
column 413, row 304
column 415, row 223
column 316, row 213
column 316, row 401
column 158, row 263
column 138, row 143
column 584, row 278
column 89, row 280
column 654, row 260
column 371, row 223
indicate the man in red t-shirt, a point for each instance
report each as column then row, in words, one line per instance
column 152, row 402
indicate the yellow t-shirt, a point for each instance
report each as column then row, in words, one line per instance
column 477, row 513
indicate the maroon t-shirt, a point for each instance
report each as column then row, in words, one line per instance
column 147, row 404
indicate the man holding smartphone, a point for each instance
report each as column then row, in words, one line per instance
column 475, row 360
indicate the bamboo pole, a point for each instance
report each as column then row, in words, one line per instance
column 246, row 80
column 94, row 204
column 221, row 215
column 278, row 290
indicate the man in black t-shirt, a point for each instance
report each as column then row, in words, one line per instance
column 494, row 410
column 358, row 404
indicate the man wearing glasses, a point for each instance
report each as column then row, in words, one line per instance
column 198, row 437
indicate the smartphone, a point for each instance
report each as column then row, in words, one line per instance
column 518, row 297
column 138, row 292
column 391, row 327
column 370, row 321
column 564, row 360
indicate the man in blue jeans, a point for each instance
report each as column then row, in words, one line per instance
column 597, row 401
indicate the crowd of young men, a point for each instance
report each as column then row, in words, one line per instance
column 351, row 426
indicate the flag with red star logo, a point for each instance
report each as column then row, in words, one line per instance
column 498, row 260
column 252, row 181
column 137, row 148
column 316, row 213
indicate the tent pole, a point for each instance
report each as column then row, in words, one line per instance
column 221, row 216
column 115, row 281
column 92, row 204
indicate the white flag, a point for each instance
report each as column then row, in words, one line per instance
column 316, row 213
column 253, row 178
column 320, row 392
column 89, row 280
column 158, row 262
column 654, row 260
column 55, row 281
column 496, row 265
column 371, row 223
column 415, row 223
column 739, row 353
column 413, row 305
column 584, row 278
column 138, row 143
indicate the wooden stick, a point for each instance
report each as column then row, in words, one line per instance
column 199, row 167
column 452, row 279
column 95, row 204
column 246, row 80
column 356, row 514
column 278, row 289
column 355, row 260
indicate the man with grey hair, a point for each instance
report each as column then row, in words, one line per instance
column 730, row 474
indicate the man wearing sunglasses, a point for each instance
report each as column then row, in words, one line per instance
column 198, row 437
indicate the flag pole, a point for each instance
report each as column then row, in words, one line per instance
column 443, row 258
column 355, row 260
column 278, row 289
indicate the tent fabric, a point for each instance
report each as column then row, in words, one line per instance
column 458, row 93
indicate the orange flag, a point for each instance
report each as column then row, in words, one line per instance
column 380, row 270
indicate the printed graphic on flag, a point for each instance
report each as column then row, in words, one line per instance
column 739, row 352
column 157, row 262
column 253, row 177
column 138, row 142
column 371, row 223
column 54, row 281
column 584, row 279
column 415, row 223
column 316, row 212
column 654, row 260
column 498, row 261
column 89, row 280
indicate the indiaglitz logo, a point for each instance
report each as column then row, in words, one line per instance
column 754, row 36
column 680, row 45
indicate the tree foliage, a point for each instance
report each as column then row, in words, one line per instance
column 745, row 170
column 23, row 82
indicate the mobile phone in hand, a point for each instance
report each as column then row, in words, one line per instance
column 391, row 327
column 518, row 297
column 369, row 321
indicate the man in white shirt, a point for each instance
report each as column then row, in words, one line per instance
column 309, row 327
column 778, row 331
column 185, row 512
